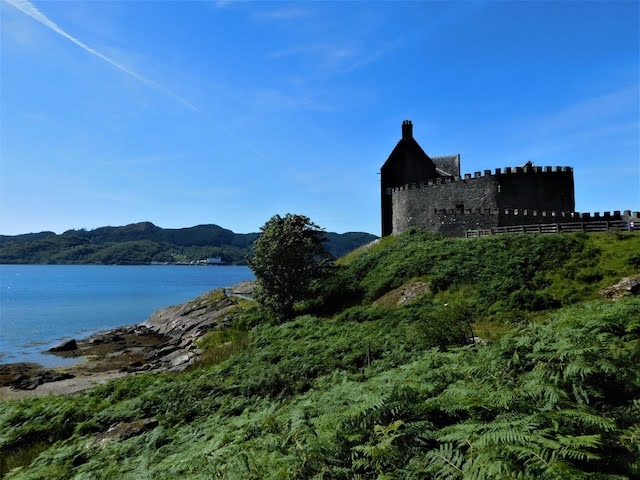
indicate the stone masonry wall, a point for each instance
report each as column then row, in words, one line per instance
column 453, row 205
column 415, row 205
column 548, row 188
column 458, row 223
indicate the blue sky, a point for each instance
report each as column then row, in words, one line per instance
column 184, row 113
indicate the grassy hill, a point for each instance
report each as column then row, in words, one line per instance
column 143, row 243
column 376, row 377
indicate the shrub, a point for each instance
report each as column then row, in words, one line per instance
column 289, row 257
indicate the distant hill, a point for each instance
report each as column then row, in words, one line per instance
column 143, row 243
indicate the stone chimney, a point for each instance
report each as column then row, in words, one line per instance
column 407, row 129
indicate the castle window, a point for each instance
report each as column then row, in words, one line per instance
column 459, row 206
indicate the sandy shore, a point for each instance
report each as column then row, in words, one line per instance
column 101, row 357
column 63, row 387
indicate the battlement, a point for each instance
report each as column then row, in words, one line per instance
column 532, row 171
column 548, row 215
column 524, row 212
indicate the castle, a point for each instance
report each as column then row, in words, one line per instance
column 428, row 192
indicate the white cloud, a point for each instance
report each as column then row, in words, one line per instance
column 284, row 13
column 591, row 111
column 373, row 55
column 275, row 98
column 340, row 57
column 35, row 117
column 19, row 30
column 293, row 51
column 224, row 3
column 611, row 119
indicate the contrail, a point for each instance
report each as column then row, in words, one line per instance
column 26, row 7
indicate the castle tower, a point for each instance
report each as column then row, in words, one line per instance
column 407, row 164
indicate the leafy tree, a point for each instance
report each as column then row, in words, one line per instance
column 289, row 257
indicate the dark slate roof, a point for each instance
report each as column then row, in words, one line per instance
column 447, row 165
column 407, row 146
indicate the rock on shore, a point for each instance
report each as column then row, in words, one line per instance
column 167, row 341
column 183, row 324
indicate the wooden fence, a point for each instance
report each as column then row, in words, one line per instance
column 601, row 226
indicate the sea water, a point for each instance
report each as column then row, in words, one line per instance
column 42, row 305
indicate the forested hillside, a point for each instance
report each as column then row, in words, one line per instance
column 420, row 357
column 143, row 243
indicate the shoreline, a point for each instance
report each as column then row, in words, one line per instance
column 165, row 342
column 100, row 357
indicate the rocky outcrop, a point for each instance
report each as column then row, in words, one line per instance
column 625, row 287
column 164, row 342
column 24, row 382
column 114, row 349
column 404, row 294
column 122, row 431
column 242, row 289
column 191, row 319
column 183, row 324
column 167, row 341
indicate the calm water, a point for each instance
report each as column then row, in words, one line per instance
column 40, row 305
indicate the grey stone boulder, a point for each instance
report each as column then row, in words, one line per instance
column 404, row 294
column 625, row 287
column 192, row 319
column 22, row 382
column 66, row 346
column 167, row 350
column 182, row 360
column 242, row 289
column 123, row 431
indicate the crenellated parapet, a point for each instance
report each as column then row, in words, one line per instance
column 540, row 214
column 542, row 173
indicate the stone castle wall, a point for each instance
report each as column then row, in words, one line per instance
column 415, row 205
column 452, row 205
column 540, row 188
column 458, row 222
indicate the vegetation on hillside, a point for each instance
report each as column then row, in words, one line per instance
column 143, row 243
column 288, row 260
column 378, row 379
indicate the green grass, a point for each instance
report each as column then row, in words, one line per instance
column 504, row 273
column 219, row 345
column 350, row 390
